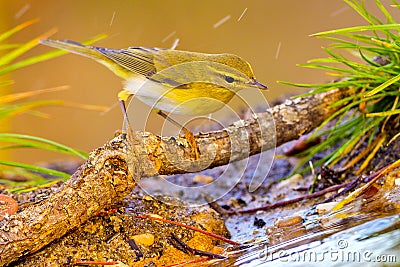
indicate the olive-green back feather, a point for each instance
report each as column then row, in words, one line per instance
column 139, row 60
column 147, row 61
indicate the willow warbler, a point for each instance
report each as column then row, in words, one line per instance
column 178, row 82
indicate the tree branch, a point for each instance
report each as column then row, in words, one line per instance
column 111, row 171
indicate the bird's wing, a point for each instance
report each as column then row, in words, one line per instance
column 139, row 60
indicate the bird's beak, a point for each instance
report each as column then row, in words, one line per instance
column 256, row 84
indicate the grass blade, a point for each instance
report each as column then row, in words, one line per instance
column 7, row 58
column 44, row 57
column 16, row 29
column 33, row 168
column 359, row 29
column 383, row 86
column 40, row 143
column 14, row 97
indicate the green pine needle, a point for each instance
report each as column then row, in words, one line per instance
column 366, row 60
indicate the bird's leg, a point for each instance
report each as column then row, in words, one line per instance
column 123, row 108
column 123, row 97
column 126, row 129
column 188, row 134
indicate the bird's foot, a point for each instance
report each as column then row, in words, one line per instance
column 192, row 143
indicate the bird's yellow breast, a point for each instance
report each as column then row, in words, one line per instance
column 190, row 99
column 194, row 90
column 198, row 98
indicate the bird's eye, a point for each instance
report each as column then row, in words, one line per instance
column 229, row 79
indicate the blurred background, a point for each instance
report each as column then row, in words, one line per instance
column 272, row 35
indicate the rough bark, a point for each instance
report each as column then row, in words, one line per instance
column 111, row 171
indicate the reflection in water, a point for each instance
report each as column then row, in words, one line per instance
column 364, row 232
column 369, row 242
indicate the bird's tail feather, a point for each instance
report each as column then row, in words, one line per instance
column 73, row 47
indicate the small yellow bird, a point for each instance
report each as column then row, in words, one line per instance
column 178, row 82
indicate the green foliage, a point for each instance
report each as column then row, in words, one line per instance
column 27, row 141
column 10, row 105
column 365, row 60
